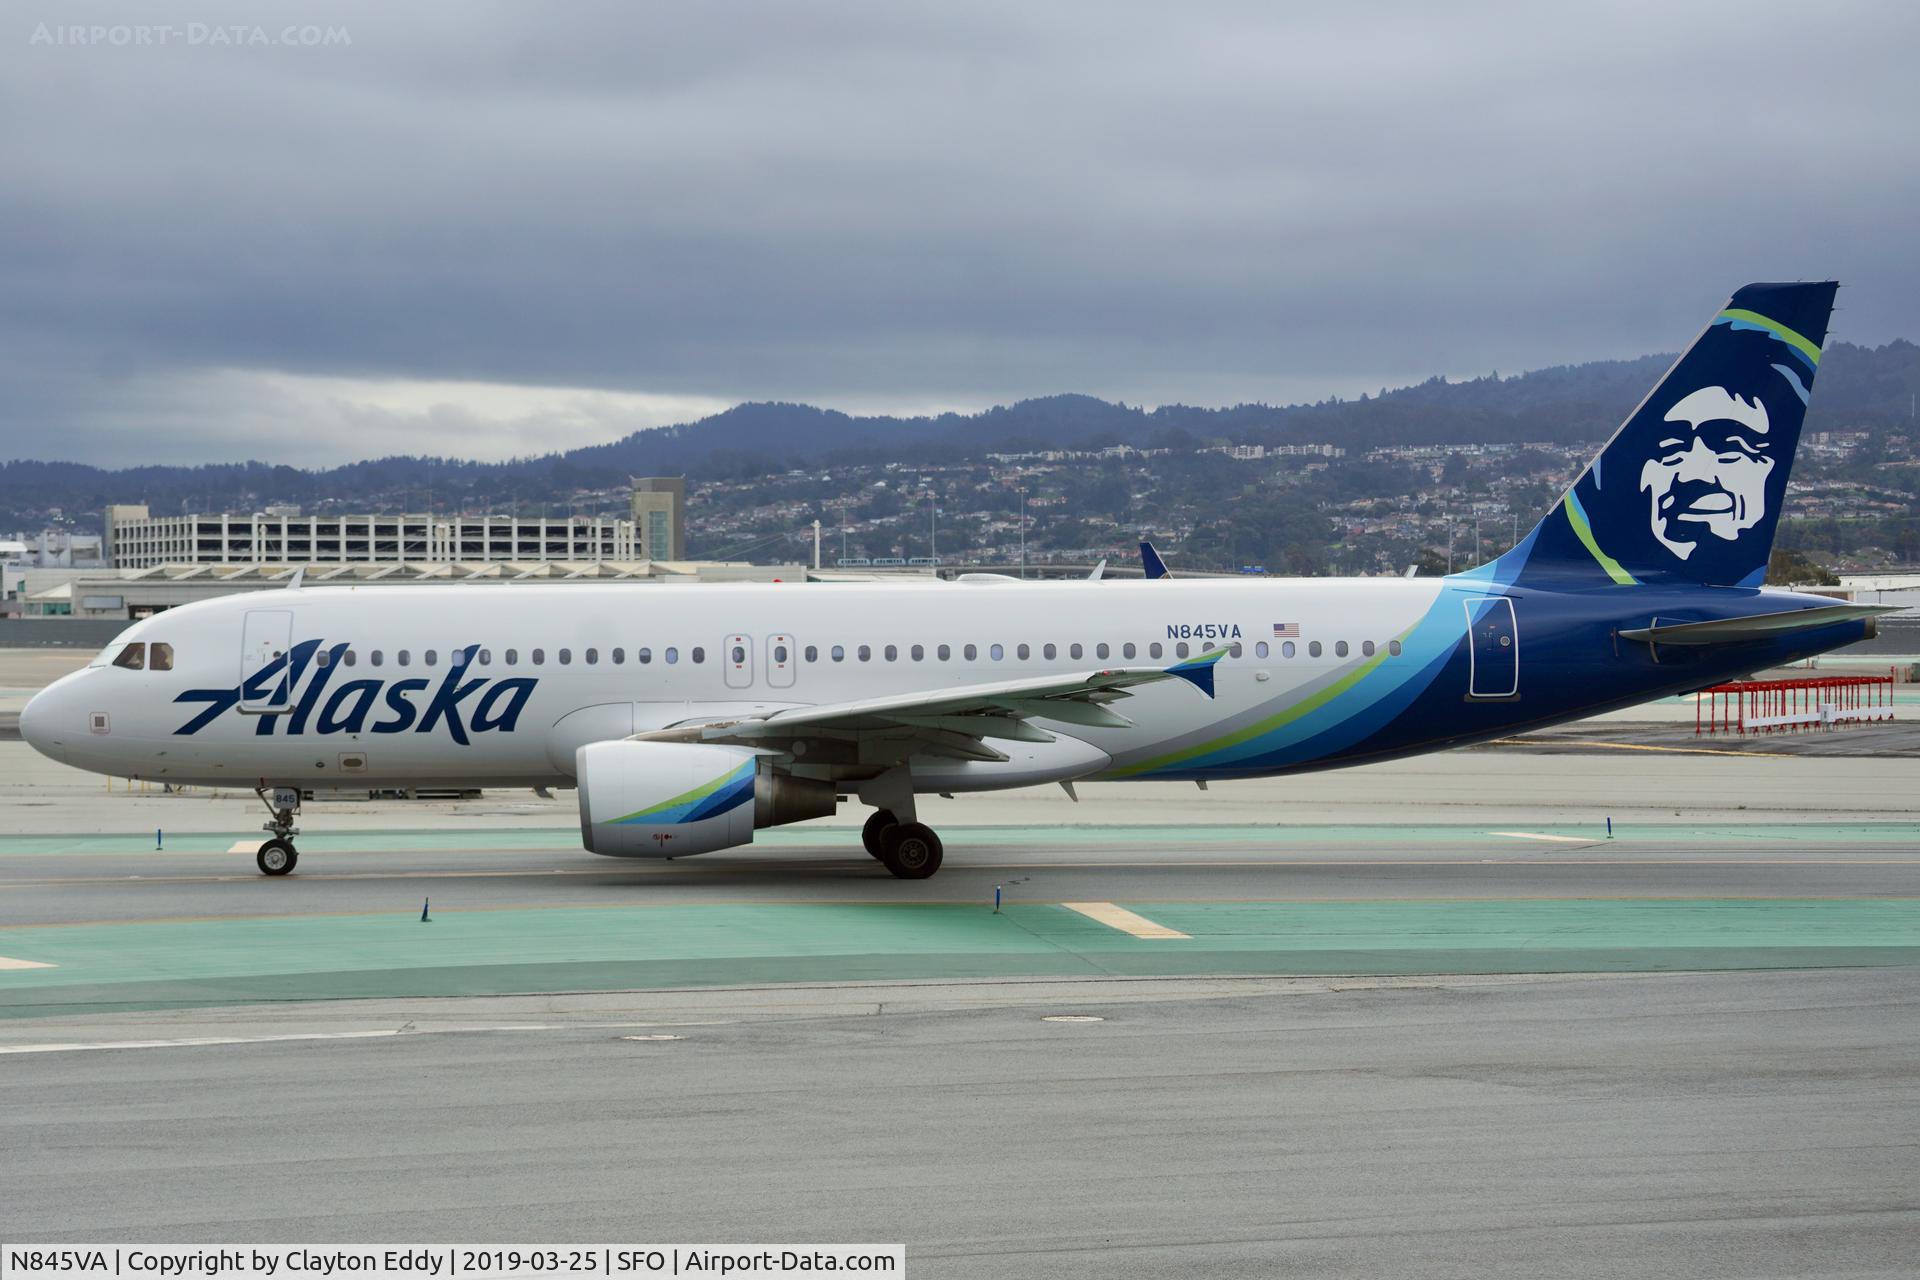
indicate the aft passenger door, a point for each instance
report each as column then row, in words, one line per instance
column 266, row 638
column 1493, row 648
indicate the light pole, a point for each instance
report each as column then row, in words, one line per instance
column 933, row 526
column 1023, row 531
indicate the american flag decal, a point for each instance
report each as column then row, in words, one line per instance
column 1286, row 630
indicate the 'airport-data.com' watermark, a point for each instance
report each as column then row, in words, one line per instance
column 189, row 35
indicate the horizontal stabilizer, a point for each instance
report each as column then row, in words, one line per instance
column 1763, row 626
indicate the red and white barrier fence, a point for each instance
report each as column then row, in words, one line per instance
column 1767, row 706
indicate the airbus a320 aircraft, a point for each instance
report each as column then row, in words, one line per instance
column 689, row 717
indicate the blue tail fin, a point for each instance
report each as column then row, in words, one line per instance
column 1151, row 562
column 1689, row 489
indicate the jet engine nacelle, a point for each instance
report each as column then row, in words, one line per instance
column 670, row 799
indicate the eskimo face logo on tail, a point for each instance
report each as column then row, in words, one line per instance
column 1709, row 476
column 458, row 705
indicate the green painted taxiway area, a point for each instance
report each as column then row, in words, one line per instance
column 1278, row 836
column 182, row 963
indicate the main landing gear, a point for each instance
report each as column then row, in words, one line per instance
column 908, row 849
column 278, row 856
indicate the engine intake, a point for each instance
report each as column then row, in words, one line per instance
column 671, row 799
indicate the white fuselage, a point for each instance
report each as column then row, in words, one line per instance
column 559, row 666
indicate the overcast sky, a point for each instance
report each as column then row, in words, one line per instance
column 509, row 229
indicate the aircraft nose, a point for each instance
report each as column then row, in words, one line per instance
column 40, row 725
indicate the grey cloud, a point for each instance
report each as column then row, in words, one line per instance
column 879, row 205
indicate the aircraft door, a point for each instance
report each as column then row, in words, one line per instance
column 1493, row 648
column 266, row 638
column 781, row 658
column 736, row 657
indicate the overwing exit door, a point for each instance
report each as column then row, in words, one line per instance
column 736, row 657
column 780, row 661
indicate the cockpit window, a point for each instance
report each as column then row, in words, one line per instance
column 161, row 659
column 133, row 657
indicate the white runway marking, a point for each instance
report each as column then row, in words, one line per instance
column 6, row 963
column 1541, row 835
column 245, row 846
column 194, row 1042
column 1122, row 919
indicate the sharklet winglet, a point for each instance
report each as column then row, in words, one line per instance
column 1198, row 671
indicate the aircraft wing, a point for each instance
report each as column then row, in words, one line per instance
column 953, row 722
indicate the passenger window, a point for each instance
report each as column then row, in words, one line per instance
column 513, row 657
column 1074, row 651
column 539, row 657
column 1339, row 648
column 1393, row 648
column 740, row 655
column 432, row 656
column 1127, row 650
column 593, row 657
column 1048, row 651
column 643, row 655
column 324, row 658
column 971, row 652
column 864, row 653
column 672, row 654
column 917, row 653
column 1102, row 650
column 1022, row 651
column 565, row 657
column 1313, row 649
column 132, row 658
column 698, row 654
column 1286, row 649
column 780, row 654
column 403, row 658
column 996, row 652
column 1259, row 649
column 1153, row 650
column 486, row 657
column 619, row 656
column 1234, row 649
column 839, row 653
column 1366, row 648
column 377, row 658
column 1179, row 650
column 352, row 658
column 893, row 653
column 813, row 653
column 944, row 653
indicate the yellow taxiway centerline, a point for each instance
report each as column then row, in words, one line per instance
column 1122, row 919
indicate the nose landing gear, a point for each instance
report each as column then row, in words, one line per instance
column 278, row 856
